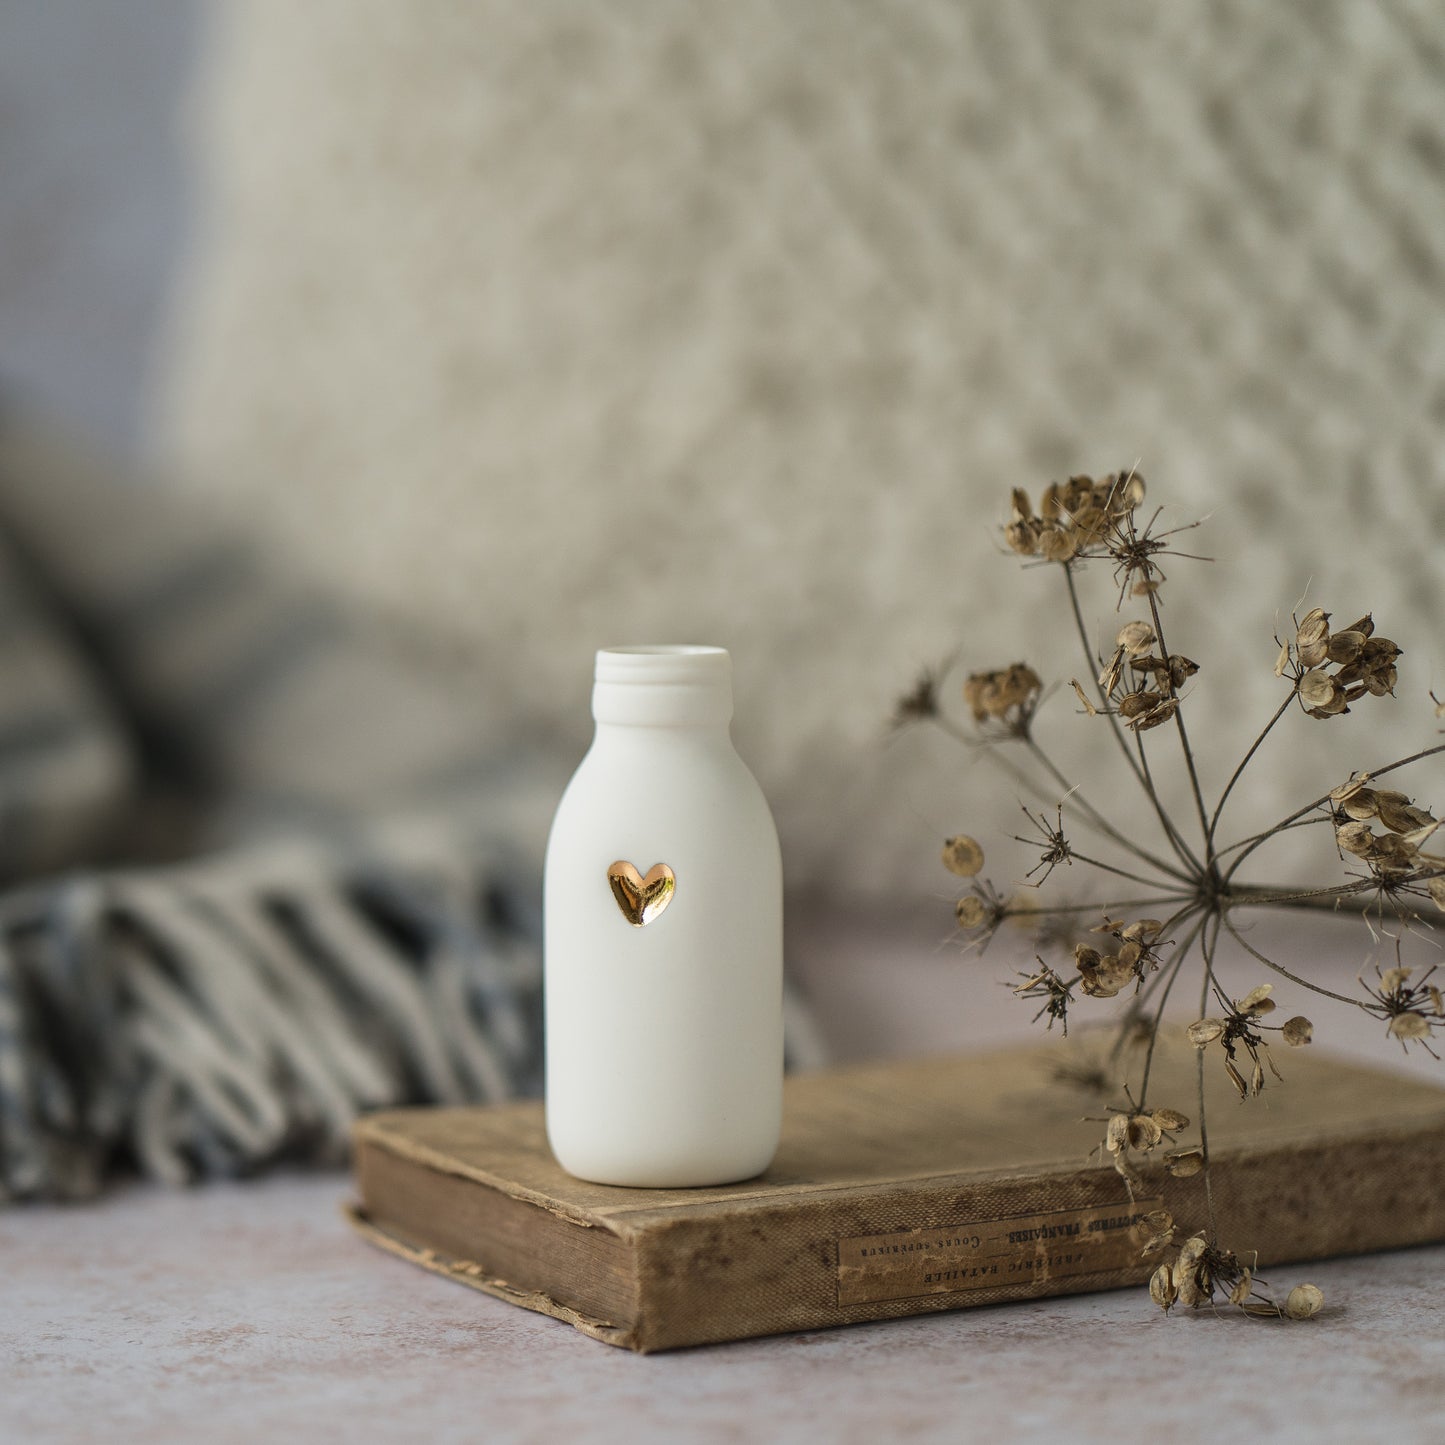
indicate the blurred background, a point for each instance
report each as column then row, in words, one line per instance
column 522, row 330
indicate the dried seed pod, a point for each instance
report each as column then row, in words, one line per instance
column 1057, row 544
column 1347, row 790
column 1191, row 1280
column 1205, row 1031
column 1116, row 1136
column 1398, row 814
column 1171, row 1120
column 1088, row 706
column 962, row 855
column 1298, row 1031
column 1409, row 1026
column 1161, row 1288
column 1184, row 1163
column 970, row 911
column 1022, row 537
column 1436, row 889
column 1136, row 638
column 1344, row 646
column 1136, row 704
column 1143, row 1132
column 1243, row 1287
column 1157, row 715
column 1361, row 805
column 1257, row 1001
column 1312, row 639
column 1356, row 838
column 1304, row 1302
column 1237, row 1079
column 1317, row 688
column 1101, row 977
column 1145, row 930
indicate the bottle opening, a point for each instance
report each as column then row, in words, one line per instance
column 676, row 664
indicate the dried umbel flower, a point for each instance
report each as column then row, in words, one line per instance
column 1184, row 884
column 1054, row 994
column 1414, row 1009
column 1240, row 1029
column 1007, row 695
column 1364, row 663
column 1074, row 518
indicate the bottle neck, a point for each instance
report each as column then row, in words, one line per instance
column 663, row 687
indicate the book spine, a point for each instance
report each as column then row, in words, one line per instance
column 855, row 1256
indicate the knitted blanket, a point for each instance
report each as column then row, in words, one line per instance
column 260, row 871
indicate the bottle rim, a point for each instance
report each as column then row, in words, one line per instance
column 670, row 664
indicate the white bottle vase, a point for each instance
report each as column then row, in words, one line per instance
column 663, row 937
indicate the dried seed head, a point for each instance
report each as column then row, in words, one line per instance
column 1304, row 1302
column 1318, row 689
column 1298, row 1030
column 1005, row 694
column 962, row 856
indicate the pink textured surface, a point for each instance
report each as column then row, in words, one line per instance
column 250, row 1312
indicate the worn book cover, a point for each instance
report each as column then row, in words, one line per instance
column 902, row 1188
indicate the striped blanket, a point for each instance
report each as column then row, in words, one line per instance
column 260, row 869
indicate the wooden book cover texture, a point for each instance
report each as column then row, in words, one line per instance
column 902, row 1188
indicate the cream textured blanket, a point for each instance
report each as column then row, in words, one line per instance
column 557, row 325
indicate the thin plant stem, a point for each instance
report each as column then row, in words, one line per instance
column 1207, row 951
column 1054, row 910
column 1281, row 969
column 1271, row 832
column 1092, row 663
column 1109, row 868
column 1186, row 855
column 1178, row 711
column 1238, row 773
column 1176, row 965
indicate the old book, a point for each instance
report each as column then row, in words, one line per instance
column 903, row 1188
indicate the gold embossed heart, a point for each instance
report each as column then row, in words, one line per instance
column 641, row 898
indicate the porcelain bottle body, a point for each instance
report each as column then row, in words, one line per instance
column 664, row 1037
